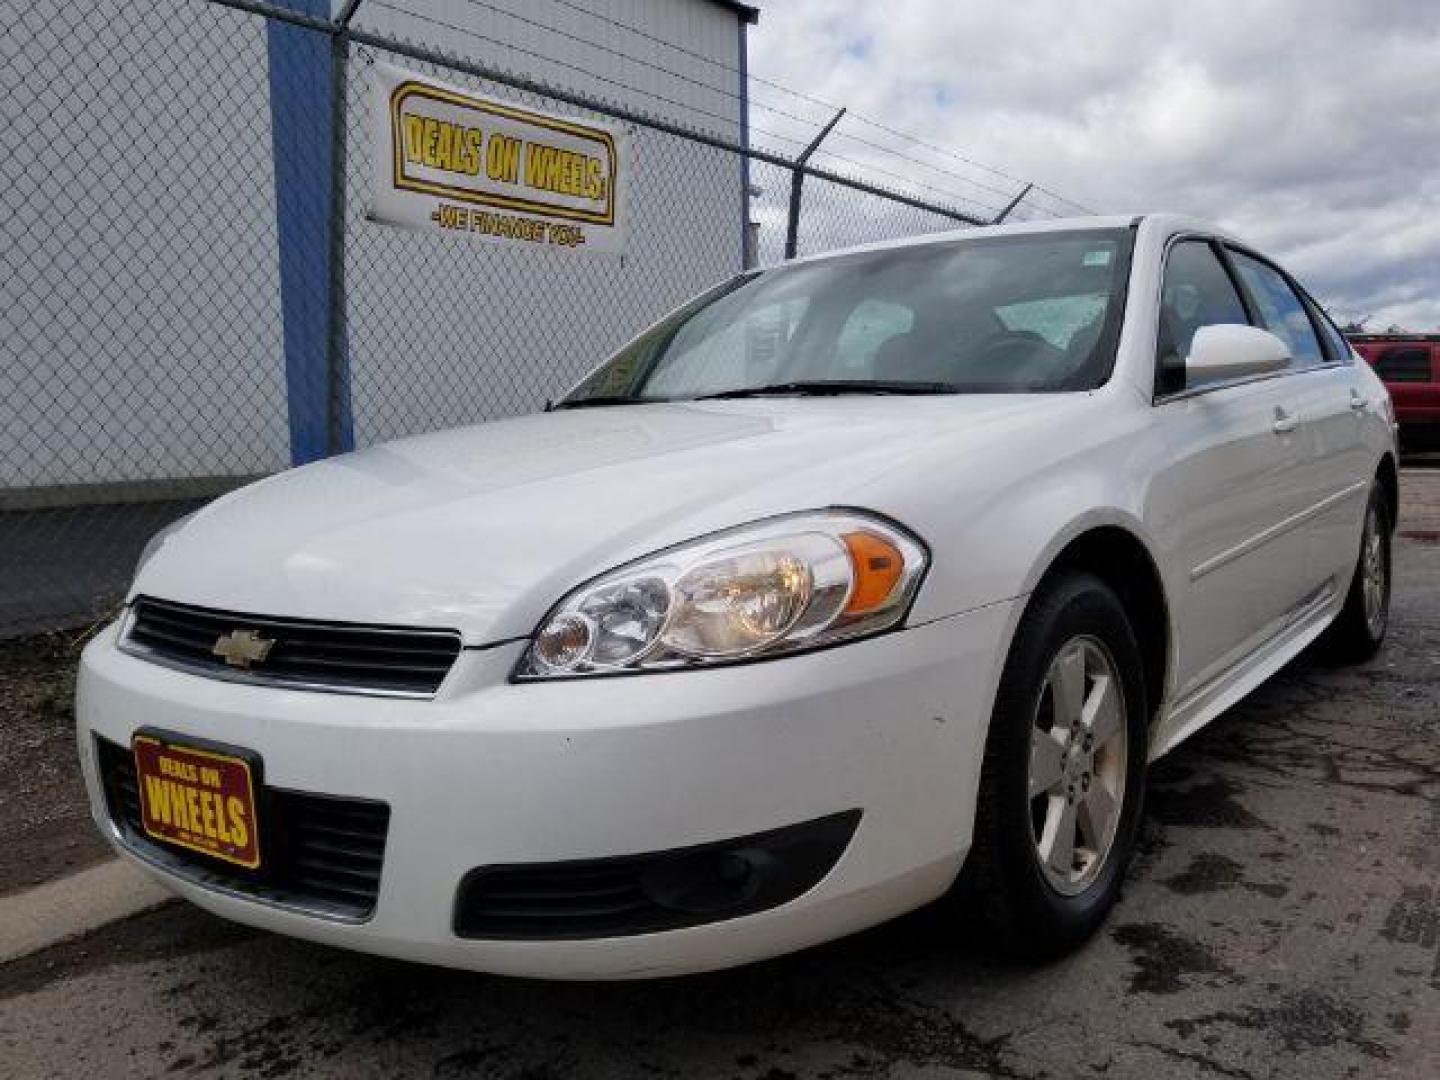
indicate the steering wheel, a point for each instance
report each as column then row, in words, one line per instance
column 1011, row 353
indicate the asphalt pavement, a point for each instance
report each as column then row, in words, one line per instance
column 1283, row 920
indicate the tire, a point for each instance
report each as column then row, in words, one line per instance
column 1359, row 630
column 1016, row 876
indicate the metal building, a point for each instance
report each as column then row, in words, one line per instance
column 168, row 215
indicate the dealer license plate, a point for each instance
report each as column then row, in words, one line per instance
column 200, row 799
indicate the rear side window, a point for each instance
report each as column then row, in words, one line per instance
column 1403, row 363
column 1280, row 310
column 1337, row 348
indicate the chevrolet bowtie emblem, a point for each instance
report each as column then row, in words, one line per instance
column 241, row 648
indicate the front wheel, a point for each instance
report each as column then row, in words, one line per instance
column 1063, row 779
column 1359, row 630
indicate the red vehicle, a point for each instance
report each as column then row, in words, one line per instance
column 1409, row 365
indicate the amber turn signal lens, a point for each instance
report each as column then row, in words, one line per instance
column 878, row 565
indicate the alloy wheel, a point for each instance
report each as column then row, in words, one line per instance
column 1374, row 574
column 1078, row 747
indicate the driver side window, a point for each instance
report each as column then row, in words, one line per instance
column 1196, row 292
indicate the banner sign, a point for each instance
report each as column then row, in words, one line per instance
column 451, row 161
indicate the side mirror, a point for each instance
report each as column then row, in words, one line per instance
column 1231, row 351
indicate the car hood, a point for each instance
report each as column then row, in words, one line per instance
column 482, row 529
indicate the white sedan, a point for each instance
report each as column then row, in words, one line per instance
column 854, row 582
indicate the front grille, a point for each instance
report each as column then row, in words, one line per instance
column 307, row 655
column 319, row 853
column 662, row 890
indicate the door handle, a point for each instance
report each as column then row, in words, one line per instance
column 1357, row 402
column 1284, row 423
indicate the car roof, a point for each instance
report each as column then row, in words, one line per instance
column 1169, row 224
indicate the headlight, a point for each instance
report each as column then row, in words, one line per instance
column 789, row 583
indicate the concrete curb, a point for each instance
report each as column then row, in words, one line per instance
column 50, row 913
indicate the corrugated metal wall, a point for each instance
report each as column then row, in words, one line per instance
column 140, row 330
column 136, row 147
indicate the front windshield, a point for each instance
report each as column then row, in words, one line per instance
column 1013, row 314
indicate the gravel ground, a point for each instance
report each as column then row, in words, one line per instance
column 45, row 827
column 1283, row 920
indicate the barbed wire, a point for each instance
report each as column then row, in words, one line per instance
column 950, row 152
column 742, row 100
column 578, row 69
column 860, row 166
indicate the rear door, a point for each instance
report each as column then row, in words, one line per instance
column 1331, row 406
column 1231, row 482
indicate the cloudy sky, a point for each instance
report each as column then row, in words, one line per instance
column 1309, row 127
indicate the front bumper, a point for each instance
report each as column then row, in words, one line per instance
column 492, row 773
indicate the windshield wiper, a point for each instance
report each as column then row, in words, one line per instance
column 825, row 387
column 604, row 399
column 800, row 388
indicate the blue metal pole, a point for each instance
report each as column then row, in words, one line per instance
column 747, row 257
column 303, row 89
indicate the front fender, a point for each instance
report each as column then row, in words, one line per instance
column 993, row 540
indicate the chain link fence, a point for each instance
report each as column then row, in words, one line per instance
column 151, row 316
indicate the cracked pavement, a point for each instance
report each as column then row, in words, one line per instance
column 1282, row 920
